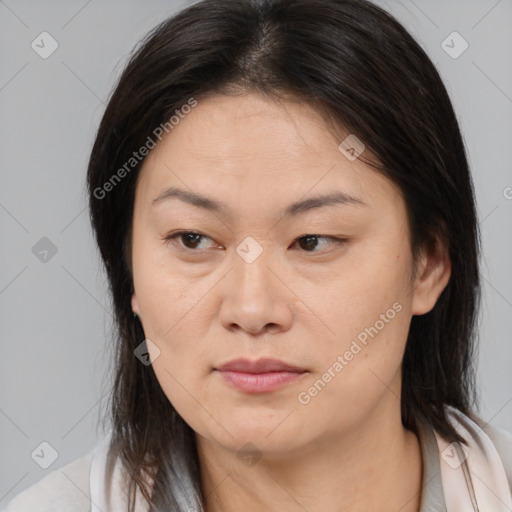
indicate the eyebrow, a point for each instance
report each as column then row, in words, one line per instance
column 206, row 203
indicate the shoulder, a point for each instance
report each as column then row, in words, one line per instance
column 502, row 440
column 474, row 425
column 62, row 490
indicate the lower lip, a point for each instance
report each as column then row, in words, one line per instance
column 259, row 382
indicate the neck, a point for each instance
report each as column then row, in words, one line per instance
column 377, row 465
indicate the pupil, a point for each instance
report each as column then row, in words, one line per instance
column 191, row 235
column 308, row 240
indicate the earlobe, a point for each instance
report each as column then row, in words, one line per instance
column 135, row 305
column 433, row 275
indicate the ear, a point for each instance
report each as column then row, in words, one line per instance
column 135, row 304
column 432, row 275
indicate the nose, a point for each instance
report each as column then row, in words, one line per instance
column 255, row 297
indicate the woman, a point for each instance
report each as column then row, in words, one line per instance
column 281, row 197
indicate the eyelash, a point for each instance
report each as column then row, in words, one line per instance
column 172, row 236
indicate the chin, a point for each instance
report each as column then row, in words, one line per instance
column 266, row 436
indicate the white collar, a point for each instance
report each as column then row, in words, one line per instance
column 473, row 476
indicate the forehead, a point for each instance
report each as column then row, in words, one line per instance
column 253, row 152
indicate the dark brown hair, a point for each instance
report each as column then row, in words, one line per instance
column 354, row 61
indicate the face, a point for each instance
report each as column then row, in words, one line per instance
column 326, row 288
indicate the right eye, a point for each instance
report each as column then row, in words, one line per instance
column 189, row 239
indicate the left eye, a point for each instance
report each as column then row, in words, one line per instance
column 191, row 240
column 311, row 241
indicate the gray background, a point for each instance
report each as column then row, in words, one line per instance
column 55, row 314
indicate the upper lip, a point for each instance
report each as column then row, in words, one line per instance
column 263, row 365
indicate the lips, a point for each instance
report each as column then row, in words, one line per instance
column 261, row 376
column 265, row 365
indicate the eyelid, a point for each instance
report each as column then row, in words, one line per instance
column 338, row 240
column 335, row 240
column 169, row 238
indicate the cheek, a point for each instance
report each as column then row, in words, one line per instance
column 179, row 382
column 365, row 301
column 371, row 338
column 181, row 368
column 163, row 296
column 358, row 373
column 368, row 314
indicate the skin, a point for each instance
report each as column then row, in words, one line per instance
column 202, row 305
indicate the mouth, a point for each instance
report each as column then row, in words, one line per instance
column 260, row 376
